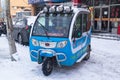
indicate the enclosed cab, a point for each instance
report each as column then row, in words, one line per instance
column 60, row 35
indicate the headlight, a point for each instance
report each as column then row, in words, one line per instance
column 68, row 9
column 61, row 44
column 52, row 9
column 45, row 9
column 60, row 8
column 35, row 42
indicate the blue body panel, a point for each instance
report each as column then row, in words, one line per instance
column 66, row 50
column 69, row 56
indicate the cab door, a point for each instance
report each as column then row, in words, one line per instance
column 79, row 33
column 86, row 30
column 77, row 39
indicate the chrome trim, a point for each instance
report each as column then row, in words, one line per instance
column 54, row 53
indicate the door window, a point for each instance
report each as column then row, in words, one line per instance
column 82, row 24
column 77, row 29
column 84, row 16
column 86, row 22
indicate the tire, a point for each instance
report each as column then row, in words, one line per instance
column 20, row 39
column 47, row 66
column 88, row 53
column 0, row 34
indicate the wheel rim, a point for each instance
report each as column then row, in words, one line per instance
column 49, row 66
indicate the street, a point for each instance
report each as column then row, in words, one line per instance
column 104, row 64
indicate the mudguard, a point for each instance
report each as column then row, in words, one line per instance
column 47, row 53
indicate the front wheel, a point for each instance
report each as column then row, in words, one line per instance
column 47, row 66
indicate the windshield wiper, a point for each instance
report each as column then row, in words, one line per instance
column 44, row 28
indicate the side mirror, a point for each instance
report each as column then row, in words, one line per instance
column 76, row 34
column 79, row 34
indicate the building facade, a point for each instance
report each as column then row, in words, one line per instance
column 19, row 6
column 106, row 15
column 1, row 16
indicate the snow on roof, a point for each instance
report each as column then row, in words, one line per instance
column 74, row 8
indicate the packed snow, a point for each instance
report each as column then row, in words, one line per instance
column 104, row 64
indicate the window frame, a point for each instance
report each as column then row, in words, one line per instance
column 81, row 27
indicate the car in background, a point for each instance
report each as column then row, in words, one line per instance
column 21, row 29
column 3, row 28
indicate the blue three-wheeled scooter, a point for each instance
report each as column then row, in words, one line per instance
column 60, row 35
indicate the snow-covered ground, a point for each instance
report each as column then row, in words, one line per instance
column 104, row 64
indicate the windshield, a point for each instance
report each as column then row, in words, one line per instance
column 56, row 25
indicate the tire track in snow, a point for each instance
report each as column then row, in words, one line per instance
column 109, row 61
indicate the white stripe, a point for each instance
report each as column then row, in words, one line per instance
column 80, row 46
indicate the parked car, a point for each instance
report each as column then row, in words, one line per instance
column 3, row 28
column 21, row 30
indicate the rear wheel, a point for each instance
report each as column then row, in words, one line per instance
column 88, row 53
column 47, row 66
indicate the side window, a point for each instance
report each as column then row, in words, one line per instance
column 77, row 30
column 41, row 21
column 85, row 20
column 89, row 21
column 81, row 24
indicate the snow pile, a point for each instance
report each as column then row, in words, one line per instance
column 104, row 64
